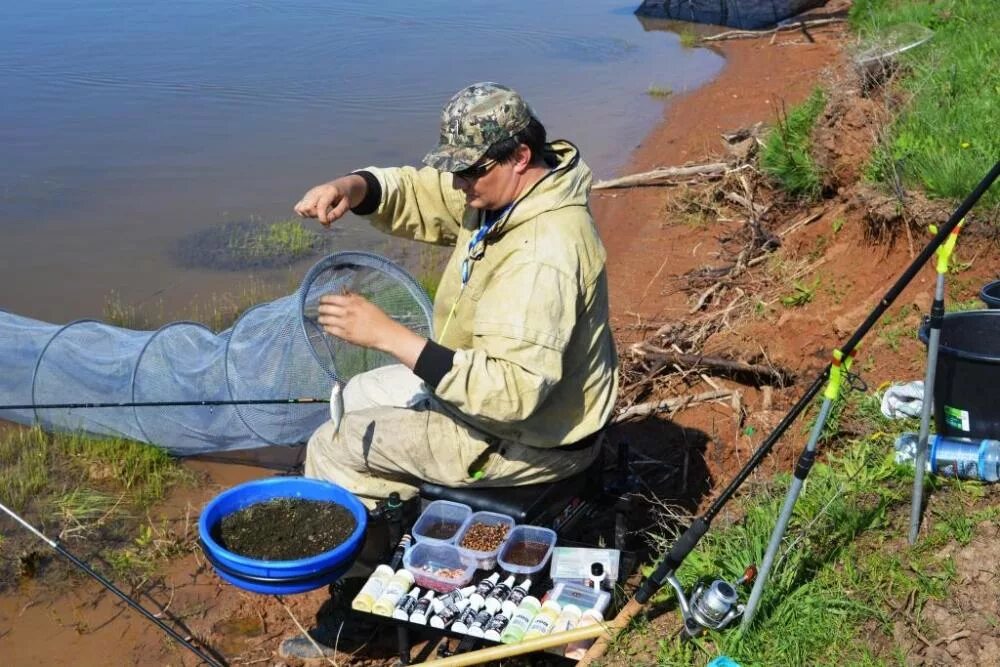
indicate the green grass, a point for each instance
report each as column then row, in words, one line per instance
column 287, row 240
column 945, row 139
column 786, row 155
column 801, row 294
column 844, row 569
column 76, row 485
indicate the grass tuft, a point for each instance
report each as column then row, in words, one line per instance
column 945, row 138
column 786, row 155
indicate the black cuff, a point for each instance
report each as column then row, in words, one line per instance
column 433, row 363
column 373, row 194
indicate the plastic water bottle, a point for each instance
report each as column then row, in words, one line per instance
column 954, row 457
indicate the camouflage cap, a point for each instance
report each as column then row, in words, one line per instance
column 474, row 119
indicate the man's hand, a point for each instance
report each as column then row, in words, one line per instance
column 357, row 320
column 330, row 201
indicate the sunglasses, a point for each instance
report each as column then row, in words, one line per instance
column 476, row 171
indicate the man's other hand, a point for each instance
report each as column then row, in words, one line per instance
column 330, row 201
column 355, row 319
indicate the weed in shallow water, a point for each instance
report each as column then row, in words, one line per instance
column 659, row 91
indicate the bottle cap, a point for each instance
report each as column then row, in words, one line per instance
column 405, row 574
column 553, row 605
column 382, row 570
column 492, row 635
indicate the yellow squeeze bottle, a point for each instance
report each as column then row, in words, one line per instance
column 394, row 589
column 365, row 599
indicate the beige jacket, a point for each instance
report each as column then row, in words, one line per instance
column 535, row 359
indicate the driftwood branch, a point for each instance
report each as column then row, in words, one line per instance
column 661, row 175
column 728, row 367
column 754, row 34
column 645, row 409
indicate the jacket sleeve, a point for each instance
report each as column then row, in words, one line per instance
column 522, row 325
column 419, row 204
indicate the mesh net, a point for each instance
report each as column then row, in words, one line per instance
column 274, row 351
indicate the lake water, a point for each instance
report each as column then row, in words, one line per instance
column 126, row 126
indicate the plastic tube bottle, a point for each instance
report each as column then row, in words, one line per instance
column 576, row 650
column 421, row 611
column 394, row 589
column 465, row 619
column 450, row 612
column 544, row 621
column 452, row 597
column 484, row 588
column 954, row 457
column 496, row 626
column 521, row 619
column 406, row 604
column 369, row 593
column 513, row 600
column 478, row 626
column 499, row 595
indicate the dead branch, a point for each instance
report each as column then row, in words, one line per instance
column 645, row 409
column 729, row 367
column 661, row 175
column 754, row 34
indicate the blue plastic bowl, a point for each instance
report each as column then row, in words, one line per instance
column 281, row 577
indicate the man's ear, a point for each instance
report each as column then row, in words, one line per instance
column 522, row 159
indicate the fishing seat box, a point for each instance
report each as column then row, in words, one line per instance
column 537, row 504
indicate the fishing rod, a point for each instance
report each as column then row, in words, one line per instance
column 205, row 658
column 161, row 404
column 688, row 540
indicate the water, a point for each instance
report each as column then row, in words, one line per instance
column 126, row 126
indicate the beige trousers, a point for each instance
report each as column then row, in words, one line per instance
column 394, row 435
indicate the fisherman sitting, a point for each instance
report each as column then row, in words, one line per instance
column 524, row 365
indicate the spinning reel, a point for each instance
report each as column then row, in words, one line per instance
column 711, row 606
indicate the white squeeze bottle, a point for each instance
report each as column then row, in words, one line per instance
column 568, row 618
column 365, row 599
column 394, row 589
column 543, row 623
column 576, row 650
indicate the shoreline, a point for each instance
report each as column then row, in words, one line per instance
column 757, row 81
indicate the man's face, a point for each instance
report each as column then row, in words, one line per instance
column 486, row 185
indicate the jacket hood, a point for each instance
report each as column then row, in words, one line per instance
column 567, row 184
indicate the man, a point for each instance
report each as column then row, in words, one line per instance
column 523, row 367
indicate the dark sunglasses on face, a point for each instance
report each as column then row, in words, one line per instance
column 476, row 171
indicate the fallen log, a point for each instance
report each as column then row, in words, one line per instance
column 663, row 174
column 729, row 367
column 645, row 409
column 754, row 34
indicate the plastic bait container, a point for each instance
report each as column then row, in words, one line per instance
column 530, row 545
column 439, row 567
column 483, row 559
column 440, row 522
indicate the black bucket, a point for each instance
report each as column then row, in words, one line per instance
column 967, row 380
column 990, row 294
